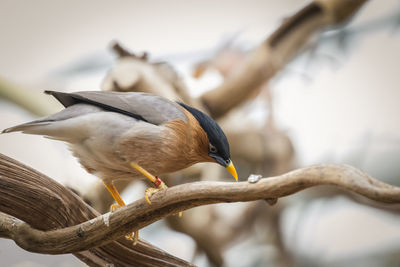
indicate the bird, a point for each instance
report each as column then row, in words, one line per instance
column 132, row 135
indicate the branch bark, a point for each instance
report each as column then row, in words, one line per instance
column 102, row 230
column 41, row 204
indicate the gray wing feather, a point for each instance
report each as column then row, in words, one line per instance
column 142, row 106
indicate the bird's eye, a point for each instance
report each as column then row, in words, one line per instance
column 212, row 148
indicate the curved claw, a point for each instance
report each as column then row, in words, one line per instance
column 133, row 237
column 151, row 191
column 114, row 207
column 147, row 198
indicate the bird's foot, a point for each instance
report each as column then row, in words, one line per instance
column 114, row 207
column 158, row 183
column 131, row 236
column 152, row 190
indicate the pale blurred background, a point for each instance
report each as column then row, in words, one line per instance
column 338, row 103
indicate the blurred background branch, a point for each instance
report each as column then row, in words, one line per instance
column 35, row 102
column 277, row 50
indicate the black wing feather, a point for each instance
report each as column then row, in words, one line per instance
column 69, row 99
column 146, row 107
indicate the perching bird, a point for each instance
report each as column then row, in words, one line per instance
column 126, row 135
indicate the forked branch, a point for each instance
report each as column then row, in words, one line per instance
column 111, row 226
column 43, row 204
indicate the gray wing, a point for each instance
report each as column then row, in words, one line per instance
column 146, row 107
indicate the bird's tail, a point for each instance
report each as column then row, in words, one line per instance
column 67, row 125
column 47, row 128
column 32, row 127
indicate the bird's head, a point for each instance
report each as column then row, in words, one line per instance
column 218, row 146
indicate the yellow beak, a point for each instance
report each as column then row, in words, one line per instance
column 232, row 170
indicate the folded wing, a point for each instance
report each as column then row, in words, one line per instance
column 91, row 110
column 150, row 108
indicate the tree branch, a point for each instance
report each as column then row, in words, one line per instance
column 43, row 204
column 276, row 51
column 111, row 226
column 31, row 100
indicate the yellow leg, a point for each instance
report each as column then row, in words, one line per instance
column 158, row 183
column 114, row 193
column 148, row 175
column 117, row 197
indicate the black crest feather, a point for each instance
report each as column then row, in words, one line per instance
column 214, row 133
